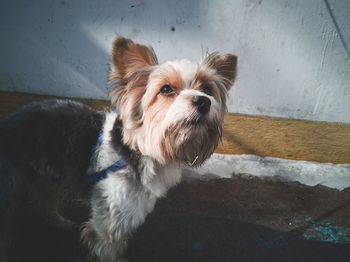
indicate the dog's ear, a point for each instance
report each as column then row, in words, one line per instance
column 225, row 66
column 129, row 57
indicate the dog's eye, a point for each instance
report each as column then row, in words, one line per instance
column 167, row 90
column 206, row 90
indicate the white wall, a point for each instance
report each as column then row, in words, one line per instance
column 292, row 60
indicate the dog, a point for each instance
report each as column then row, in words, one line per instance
column 163, row 117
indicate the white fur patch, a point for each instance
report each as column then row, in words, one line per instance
column 158, row 180
column 106, row 155
column 120, row 202
column 186, row 68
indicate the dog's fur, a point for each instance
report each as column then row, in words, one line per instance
column 165, row 116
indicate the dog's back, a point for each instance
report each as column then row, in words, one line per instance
column 45, row 150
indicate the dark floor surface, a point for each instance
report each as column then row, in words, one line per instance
column 238, row 219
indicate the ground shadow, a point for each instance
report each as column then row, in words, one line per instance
column 239, row 219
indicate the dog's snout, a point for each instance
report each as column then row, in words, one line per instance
column 202, row 103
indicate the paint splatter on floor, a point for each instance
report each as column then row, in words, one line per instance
column 327, row 232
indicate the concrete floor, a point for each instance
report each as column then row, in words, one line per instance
column 239, row 219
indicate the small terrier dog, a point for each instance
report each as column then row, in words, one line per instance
column 164, row 116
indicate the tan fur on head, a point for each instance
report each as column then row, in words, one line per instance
column 132, row 64
column 129, row 57
column 225, row 66
column 169, row 128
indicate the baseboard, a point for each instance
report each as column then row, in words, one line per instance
column 244, row 134
column 309, row 173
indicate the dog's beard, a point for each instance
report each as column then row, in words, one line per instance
column 191, row 141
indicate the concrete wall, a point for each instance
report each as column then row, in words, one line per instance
column 294, row 56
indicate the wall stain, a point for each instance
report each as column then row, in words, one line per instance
column 337, row 28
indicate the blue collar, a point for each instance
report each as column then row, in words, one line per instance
column 98, row 176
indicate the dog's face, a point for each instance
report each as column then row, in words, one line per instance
column 172, row 112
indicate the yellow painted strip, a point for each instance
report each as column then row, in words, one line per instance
column 286, row 138
column 243, row 134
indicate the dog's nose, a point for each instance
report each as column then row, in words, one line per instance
column 202, row 103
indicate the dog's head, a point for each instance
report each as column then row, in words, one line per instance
column 172, row 112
